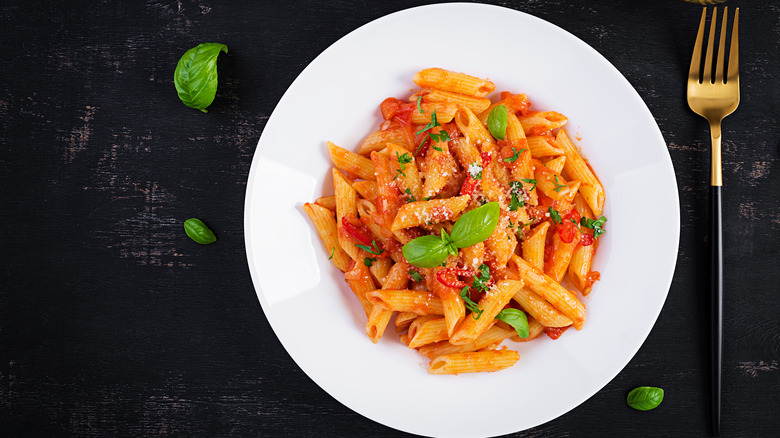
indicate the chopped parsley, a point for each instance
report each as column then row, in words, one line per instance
column 440, row 137
column 517, row 197
column 596, row 225
column 373, row 249
column 438, row 148
column 403, row 159
column 415, row 275
column 368, row 261
column 481, row 281
column 411, row 196
column 556, row 217
column 529, row 181
column 472, row 306
column 514, row 157
column 419, row 108
column 558, row 185
column 332, row 253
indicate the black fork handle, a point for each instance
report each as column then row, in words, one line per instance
column 716, row 291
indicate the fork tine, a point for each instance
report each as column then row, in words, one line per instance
column 721, row 48
column 734, row 53
column 693, row 73
column 707, row 76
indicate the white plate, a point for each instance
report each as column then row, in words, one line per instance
column 336, row 98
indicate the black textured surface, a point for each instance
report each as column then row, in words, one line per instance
column 114, row 323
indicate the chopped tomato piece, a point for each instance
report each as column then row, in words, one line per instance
column 555, row 332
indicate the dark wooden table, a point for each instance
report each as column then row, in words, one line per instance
column 114, row 323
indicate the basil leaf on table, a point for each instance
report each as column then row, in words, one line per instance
column 645, row 398
column 476, row 225
column 198, row 231
column 515, row 318
column 195, row 76
column 426, row 251
column 496, row 122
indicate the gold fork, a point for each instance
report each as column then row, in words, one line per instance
column 714, row 99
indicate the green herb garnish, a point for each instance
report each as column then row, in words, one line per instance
column 415, row 275
column 645, row 398
column 529, row 181
column 198, row 231
column 596, row 225
column 473, row 227
column 368, row 261
column 496, row 122
column 517, row 197
column 419, row 108
column 558, row 186
column 515, row 318
column 556, row 217
column 373, row 249
column 476, row 312
column 332, row 253
column 195, row 76
column 514, row 157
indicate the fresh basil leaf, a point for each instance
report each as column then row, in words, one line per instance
column 496, row 122
column 415, row 275
column 426, row 251
column 645, row 398
column 476, row 225
column 198, row 231
column 556, row 217
column 195, row 76
column 515, row 318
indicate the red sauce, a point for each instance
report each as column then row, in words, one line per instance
column 555, row 332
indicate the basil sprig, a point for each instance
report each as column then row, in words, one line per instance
column 195, row 76
column 473, row 227
column 515, row 318
column 198, row 231
column 496, row 122
column 645, row 398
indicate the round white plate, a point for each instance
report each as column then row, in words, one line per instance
column 336, row 98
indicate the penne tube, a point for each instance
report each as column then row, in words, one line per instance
column 475, row 104
column 346, row 204
column 460, row 83
column 540, row 309
column 471, row 127
column 578, row 169
column 543, row 146
column 378, row 140
column 434, row 211
column 491, row 303
column 556, row 164
column 427, row 330
column 445, row 112
column 325, row 223
column 405, row 173
column 351, row 162
column 533, row 245
column 403, row 320
column 515, row 104
column 440, row 168
column 359, row 280
column 539, row 122
column 562, row 299
column 494, row 335
column 328, row 202
column 405, row 300
column 479, row 361
column 366, row 189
